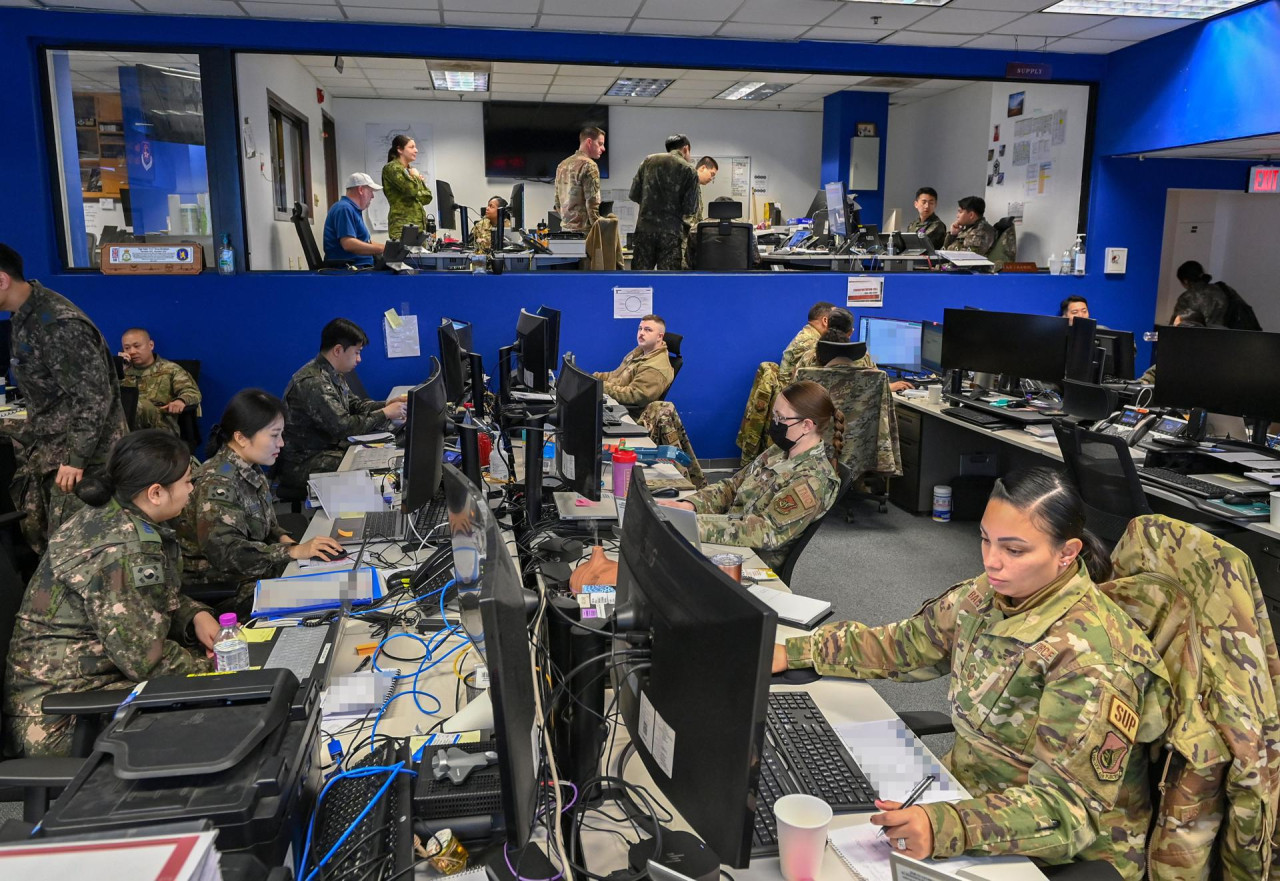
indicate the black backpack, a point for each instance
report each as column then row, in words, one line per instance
column 1239, row 314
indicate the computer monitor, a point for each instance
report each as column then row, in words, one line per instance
column 892, row 342
column 580, row 418
column 835, row 208
column 532, row 348
column 931, row 346
column 704, row 682
column 424, row 441
column 495, row 609
column 1119, row 348
column 1010, row 343
column 453, row 357
column 446, row 208
column 553, row 331
column 1224, row 371
column 515, row 206
column 818, row 205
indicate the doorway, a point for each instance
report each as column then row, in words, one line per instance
column 329, row 138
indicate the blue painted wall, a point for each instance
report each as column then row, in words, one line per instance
column 841, row 114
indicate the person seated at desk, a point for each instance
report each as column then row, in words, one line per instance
column 1187, row 318
column 324, row 412
column 806, row 340
column 971, row 232
column 482, row 229
column 105, row 608
column 1073, row 307
column 346, row 238
column 928, row 224
column 839, row 330
column 229, row 531
column 1056, row 691
column 164, row 388
column 645, row 373
column 769, row 503
column 406, row 191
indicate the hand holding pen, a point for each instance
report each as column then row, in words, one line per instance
column 908, row 831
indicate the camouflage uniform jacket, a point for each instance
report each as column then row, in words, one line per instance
column 977, row 238
column 1049, row 700
column 805, row 341
column 105, row 607
column 68, row 377
column 482, row 235
column 578, row 192
column 229, row 529
column 162, row 382
column 810, row 359
column 666, row 189
column 1199, row 601
column 640, row 379
column 406, row 195
column 870, row 419
column 323, row 412
column 1209, row 300
column 932, row 228
column 768, row 504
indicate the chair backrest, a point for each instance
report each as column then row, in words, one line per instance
column 1101, row 467
column 356, row 386
column 190, row 365
column 1005, row 248
column 306, row 237
column 129, row 400
column 798, row 546
column 673, row 341
column 723, row 245
column 862, row 394
column 12, row 589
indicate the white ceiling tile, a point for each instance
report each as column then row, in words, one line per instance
column 1090, row 47
column 16, row 3
column 1002, row 5
column 395, row 4
column 1128, row 28
column 677, row 28
column 844, row 35
column 357, row 93
column 300, row 11
column 575, row 93
column 695, row 10
column 588, row 70
column 776, row 76
column 663, row 101
column 625, row 8
column 1049, row 24
column 492, row 5
column 964, row 21
column 833, row 80
column 516, row 96
column 892, row 17
column 563, row 79
column 489, row 19
column 763, row 31
column 411, row 94
column 593, row 23
column 224, row 8
column 794, row 12
column 561, row 98
column 944, row 85
column 502, row 67
column 715, row 76
column 112, row 5
column 404, row 16
column 666, row 73
column 403, row 64
column 529, row 79
column 522, row 88
column 918, row 38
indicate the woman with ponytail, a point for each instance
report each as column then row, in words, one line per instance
column 230, row 535
column 766, row 505
column 1055, row 696
column 105, row 609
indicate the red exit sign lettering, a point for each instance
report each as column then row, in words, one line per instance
column 1264, row 179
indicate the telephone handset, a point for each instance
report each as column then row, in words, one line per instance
column 1135, row 423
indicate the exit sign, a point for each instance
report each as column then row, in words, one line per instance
column 1264, row 179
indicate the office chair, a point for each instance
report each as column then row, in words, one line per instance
column 308, row 241
column 797, row 547
column 189, row 419
column 1088, row 401
column 129, row 400
column 1102, row 469
column 720, row 243
column 673, row 341
column 1005, row 248
column 356, row 386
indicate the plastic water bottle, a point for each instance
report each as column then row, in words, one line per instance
column 1064, row 268
column 226, row 257
column 1077, row 264
column 230, row 649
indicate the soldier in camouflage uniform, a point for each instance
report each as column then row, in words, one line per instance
column 645, row 373
column 406, row 191
column 164, row 388
column 928, row 224
column 67, row 375
column 105, row 608
column 1055, row 692
column 665, row 427
column 578, row 183
column 482, row 229
column 766, row 505
column 971, row 232
column 706, row 169
column 666, row 189
column 323, row 411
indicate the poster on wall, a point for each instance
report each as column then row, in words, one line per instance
column 1016, row 102
column 377, row 141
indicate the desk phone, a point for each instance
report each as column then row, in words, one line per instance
column 1134, row 423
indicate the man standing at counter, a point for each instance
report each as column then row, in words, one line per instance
column 578, row 183
column 666, row 189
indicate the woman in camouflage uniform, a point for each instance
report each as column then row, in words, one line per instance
column 104, row 609
column 1055, row 691
column 230, row 535
column 403, row 185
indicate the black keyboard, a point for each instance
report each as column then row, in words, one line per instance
column 370, row 849
column 975, row 417
column 391, row 525
column 611, row 419
column 1181, row 482
column 804, row 754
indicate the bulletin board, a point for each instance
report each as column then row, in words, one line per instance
column 732, row 180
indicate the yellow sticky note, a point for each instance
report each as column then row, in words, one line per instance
column 393, row 319
column 217, row 672
column 258, row 634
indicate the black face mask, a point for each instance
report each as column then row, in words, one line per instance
column 778, row 434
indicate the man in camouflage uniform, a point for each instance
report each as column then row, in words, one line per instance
column 666, row 189
column 482, row 229
column 706, row 169
column 971, row 232
column 104, row 610
column 665, row 427
column 578, row 183
column 870, row 420
column 1054, row 700
column 323, row 411
column 928, row 224
column 645, row 373
column 164, row 388
column 66, row 373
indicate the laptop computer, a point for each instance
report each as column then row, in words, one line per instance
column 685, row 522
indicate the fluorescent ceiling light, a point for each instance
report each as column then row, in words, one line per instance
column 751, row 91
column 1191, row 9
column 634, row 87
column 460, row 81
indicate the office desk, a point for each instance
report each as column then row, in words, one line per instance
column 459, row 261
column 847, row 262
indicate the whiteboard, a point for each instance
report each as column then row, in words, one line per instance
column 723, row 184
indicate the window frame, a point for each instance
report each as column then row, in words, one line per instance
column 280, row 112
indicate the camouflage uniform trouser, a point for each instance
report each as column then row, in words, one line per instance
column 751, row 437
column 151, row 416
column 296, row 474
column 665, row 427
column 47, row 507
column 30, row 736
column 658, row 249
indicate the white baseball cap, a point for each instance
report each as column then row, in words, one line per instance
column 360, row 179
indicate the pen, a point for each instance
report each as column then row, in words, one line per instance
column 921, row 788
column 364, row 663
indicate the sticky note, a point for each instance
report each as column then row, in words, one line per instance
column 393, row 319
column 258, row 634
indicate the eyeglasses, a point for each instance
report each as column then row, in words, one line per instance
column 783, row 420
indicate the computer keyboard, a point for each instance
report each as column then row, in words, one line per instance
column 390, row 525
column 976, row 417
column 1181, row 482
column 803, row 753
column 296, row 649
column 369, row 851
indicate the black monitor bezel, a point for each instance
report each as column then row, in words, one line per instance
column 424, row 440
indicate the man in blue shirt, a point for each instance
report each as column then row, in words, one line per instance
column 346, row 238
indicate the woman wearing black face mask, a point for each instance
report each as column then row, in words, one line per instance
column 768, row 504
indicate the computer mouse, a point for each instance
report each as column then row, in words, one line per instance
column 801, row 676
column 339, row 556
column 1237, row 499
column 667, row 492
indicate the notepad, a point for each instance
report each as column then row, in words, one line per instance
column 868, row 857
column 355, row 694
column 792, row 608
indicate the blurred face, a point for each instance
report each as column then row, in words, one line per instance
column 966, row 218
column 1077, row 309
column 409, row 153
column 706, row 174
column 594, row 148
column 925, row 204
column 345, row 358
column 491, row 211
column 264, row 446
column 649, row 335
column 167, row 502
column 138, row 348
column 1019, row 557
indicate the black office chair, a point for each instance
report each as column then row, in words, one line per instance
column 129, row 400
column 673, row 341
column 798, row 546
column 1101, row 467
column 723, row 246
column 356, row 386
column 189, row 419
column 1088, row 401
column 308, row 241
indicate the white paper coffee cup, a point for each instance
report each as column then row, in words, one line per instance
column 802, row 835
